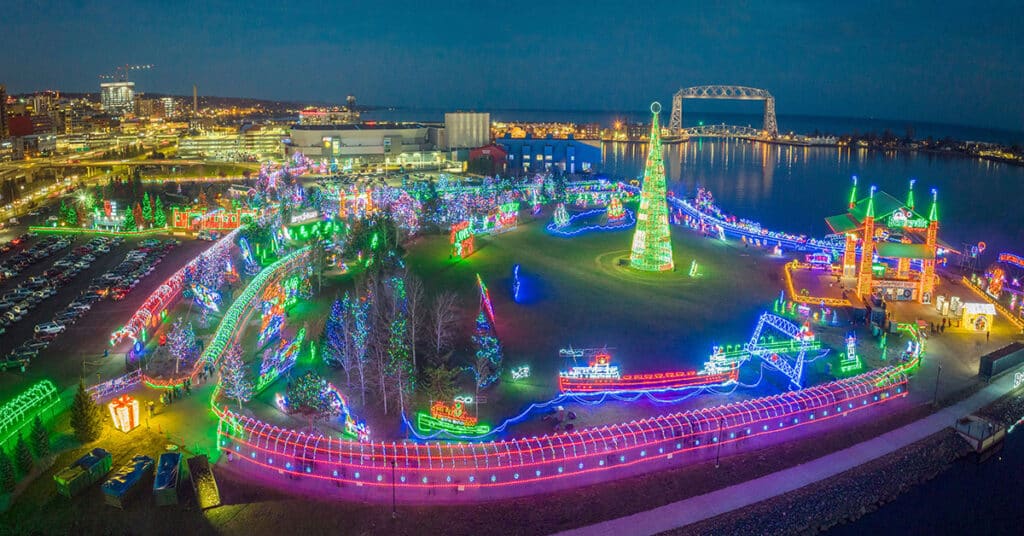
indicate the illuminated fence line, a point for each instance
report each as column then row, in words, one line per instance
column 787, row 240
column 535, row 460
column 228, row 328
column 149, row 313
column 101, row 391
column 83, row 231
column 28, row 404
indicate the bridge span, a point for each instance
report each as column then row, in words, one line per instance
column 720, row 92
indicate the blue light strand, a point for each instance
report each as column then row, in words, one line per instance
column 583, row 399
column 628, row 220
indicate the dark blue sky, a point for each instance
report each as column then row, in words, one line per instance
column 943, row 61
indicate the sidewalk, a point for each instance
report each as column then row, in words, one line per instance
column 702, row 507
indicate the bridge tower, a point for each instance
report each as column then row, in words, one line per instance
column 652, row 246
column 867, row 250
column 931, row 240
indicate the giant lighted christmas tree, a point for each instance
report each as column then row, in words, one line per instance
column 652, row 246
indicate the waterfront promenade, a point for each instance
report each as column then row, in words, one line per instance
column 702, row 507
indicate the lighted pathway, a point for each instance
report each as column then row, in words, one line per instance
column 695, row 509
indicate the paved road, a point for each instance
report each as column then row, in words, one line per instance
column 689, row 511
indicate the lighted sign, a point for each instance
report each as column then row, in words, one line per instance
column 1010, row 258
column 905, row 218
column 124, row 411
column 462, row 239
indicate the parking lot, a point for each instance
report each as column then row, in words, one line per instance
column 78, row 304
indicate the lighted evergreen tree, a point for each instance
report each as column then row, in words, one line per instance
column 309, row 395
column 140, row 221
column 234, row 381
column 159, row 216
column 182, row 342
column 68, row 215
column 129, row 222
column 561, row 216
column 652, row 245
column 147, row 208
column 86, row 418
column 8, row 479
column 40, row 437
column 336, row 338
column 23, row 456
column 487, row 360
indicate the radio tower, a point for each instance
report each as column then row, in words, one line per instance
column 652, row 246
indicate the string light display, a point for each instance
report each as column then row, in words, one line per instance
column 599, row 375
column 572, row 227
column 652, row 245
column 575, row 454
column 561, row 216
column 451, row 418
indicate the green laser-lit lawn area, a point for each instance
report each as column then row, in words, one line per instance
column 574, row 291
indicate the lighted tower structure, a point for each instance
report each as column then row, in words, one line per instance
column 652, row 246
column 931, row 239
column 903, row 264
column 850, row 252
column 867, row 250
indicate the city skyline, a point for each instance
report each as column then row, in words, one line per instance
column 903, row 63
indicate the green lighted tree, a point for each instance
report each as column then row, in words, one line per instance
column 652, row 246
column 7, row 477
column 86, row 417
column 129, row 223
column 23, row 456
column 147, row 207
column 159, row 216
column 40, row 437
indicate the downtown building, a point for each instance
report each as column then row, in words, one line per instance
column 117, row 98
column 410, row 145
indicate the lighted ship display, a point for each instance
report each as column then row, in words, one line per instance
column 601, row 376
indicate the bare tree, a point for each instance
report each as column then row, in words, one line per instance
column 417, row 309
column 443, row 317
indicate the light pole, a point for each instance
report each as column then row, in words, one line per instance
column 718, row 451
column 394, row 513
column 935, row 395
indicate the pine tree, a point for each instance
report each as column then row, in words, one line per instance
column 129, row 222
column 147, row 208
column 86, row 418
column 23, row 456
column 140, row 221
column 159, row 216
column 7, row 477
column 233, row 380
column 40, row 437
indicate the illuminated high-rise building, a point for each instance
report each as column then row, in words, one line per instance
column 3, row 111
column 117, row 97
column 652, row 243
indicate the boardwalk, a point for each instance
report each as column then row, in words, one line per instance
column 709, row 505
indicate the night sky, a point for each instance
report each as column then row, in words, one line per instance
column 942, row 61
